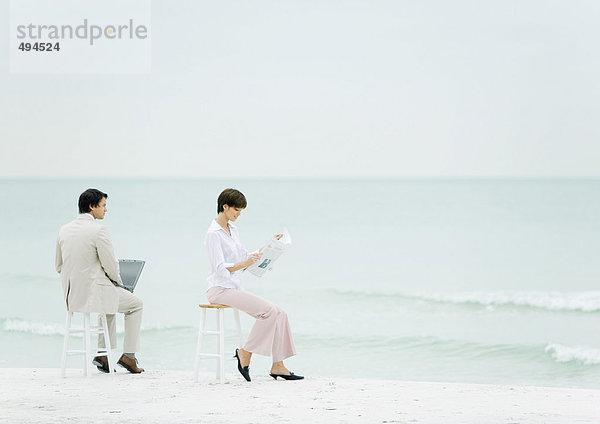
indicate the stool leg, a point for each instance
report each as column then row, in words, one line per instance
column 63, row 361
column 221, row 348
column 87, row 342
column 107, row 345
column 199, row 345
column 238, row 326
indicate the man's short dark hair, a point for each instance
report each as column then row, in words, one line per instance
column 90, row 199
column 232, row 198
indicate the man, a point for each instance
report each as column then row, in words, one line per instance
column 89, row 271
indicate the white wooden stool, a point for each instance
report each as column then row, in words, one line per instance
column 220, row 333
column 88, row 352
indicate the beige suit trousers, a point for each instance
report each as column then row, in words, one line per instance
column 131, row 306
column 271, row 334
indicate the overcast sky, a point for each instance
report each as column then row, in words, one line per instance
column 324, row 89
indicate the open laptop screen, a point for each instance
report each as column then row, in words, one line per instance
column 130, row 270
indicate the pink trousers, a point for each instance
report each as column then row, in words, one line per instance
column 271, row 334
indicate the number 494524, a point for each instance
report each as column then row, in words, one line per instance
column 39, row 47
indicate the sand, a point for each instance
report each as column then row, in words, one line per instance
column 41, row 396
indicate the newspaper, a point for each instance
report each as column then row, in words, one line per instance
column 272, row 250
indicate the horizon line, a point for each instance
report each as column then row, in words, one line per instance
column 303, row 178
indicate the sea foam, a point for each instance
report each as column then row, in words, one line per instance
column 581, row 354
column 552, row 301
column 18, row 325
column 40, row 328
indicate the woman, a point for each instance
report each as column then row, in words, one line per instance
column 271, row 334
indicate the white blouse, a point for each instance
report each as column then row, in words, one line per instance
column 224, row 251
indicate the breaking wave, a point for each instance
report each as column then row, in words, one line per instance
column 18, row 325
column 581, row 354
column 551, row 301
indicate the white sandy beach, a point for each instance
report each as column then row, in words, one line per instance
column 41, row 396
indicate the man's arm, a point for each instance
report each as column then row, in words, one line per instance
column 107, row 256
column 58, row 257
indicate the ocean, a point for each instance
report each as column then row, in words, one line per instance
column 481, row 281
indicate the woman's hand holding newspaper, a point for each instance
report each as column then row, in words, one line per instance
column 269, row 253
column 252, row 258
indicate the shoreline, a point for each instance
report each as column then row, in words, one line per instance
column 30, row 395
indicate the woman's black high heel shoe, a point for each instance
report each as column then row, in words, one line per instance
column 291, row 376
column 245, row 371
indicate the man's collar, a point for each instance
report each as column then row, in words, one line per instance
column 86, row 216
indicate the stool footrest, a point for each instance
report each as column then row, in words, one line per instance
column 227, row 359
column 209, row 355
column 216, row 333
column 85, row 331
column 82, row 330
column 222, row 333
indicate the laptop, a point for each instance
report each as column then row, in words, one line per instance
column 130, row 270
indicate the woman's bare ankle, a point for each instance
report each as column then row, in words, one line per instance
column 245, row 357
column 279, row 368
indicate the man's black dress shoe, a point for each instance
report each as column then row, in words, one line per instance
column 101, row 363
column 245, row 371
column 291, row 376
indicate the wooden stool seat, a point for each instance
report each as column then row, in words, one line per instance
column 213, row 306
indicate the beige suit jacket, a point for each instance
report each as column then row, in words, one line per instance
column 86, row 262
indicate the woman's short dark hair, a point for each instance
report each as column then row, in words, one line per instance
column 90, row 199
column 232, row 198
